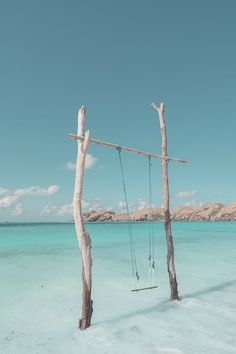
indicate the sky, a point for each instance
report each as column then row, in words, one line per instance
column 115, row 57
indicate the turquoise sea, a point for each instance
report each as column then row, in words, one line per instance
column 40, row 295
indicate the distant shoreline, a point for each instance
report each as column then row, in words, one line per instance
column 2, row 224
column 209, row 212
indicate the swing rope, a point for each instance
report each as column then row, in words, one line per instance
column 151, row 254
column 131, row 240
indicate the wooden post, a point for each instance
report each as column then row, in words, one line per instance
column 169, row 238
column 83, row 237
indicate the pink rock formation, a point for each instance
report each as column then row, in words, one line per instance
column 208, row 212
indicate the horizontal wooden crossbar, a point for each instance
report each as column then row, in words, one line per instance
column 127, row 149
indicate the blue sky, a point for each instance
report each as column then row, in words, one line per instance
column 115, row 57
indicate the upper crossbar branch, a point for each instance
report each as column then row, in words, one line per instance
column 127, row 149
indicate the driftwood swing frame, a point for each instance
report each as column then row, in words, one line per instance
column 84, row 239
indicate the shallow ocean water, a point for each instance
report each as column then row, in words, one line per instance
column 40, row 297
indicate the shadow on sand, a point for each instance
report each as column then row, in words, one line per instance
column 167, row 305
column 211, row 289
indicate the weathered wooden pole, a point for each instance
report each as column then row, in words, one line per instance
column 83, row 237
column 169, row 238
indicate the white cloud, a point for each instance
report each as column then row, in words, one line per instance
column 70, row 165
column 18, row 210
column 85, row 204
column 37, row 191
column 89, row 163
column 48, row 209
column 142, row 204
column 92, row 205
column 139, row 204
column 66, row 209
column 121, row 204
column 121, row 207
column 3, row 190
column 186, row 194
column 57, row 210
column 192, row 203
column 52, row 189
column 8, row 201
column 95, row 205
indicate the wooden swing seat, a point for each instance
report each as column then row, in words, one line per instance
column 147, row 288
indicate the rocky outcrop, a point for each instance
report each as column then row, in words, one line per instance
column 203, row 213
column 98, row 215
column 227, row 213
column 141, row 215
column 208, row 212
